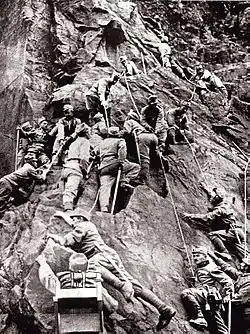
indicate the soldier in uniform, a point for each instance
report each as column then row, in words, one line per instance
column 86, row 239
column 25, row 130
column 22, row 177
column 205, row 295
column 65, row 127
column 98, row 131
column 221, row 221
column 129, row 66
column 75, row 166
column 113, row 152
column 146, row 141
column 178, row 125
column 97, row 95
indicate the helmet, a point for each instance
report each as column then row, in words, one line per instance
column 152, row 98
column 97, row 117
column 200, row 250
column 78, row 212
column 114, row 131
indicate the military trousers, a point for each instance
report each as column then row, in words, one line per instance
column 72, row 179
column 107, row 179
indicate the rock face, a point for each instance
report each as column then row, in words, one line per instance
column 51, row 52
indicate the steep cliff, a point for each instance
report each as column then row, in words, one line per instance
column 51, row 52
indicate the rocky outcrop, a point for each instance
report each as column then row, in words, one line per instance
column 51, row 52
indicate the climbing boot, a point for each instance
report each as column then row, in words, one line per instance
column 199, row 323
column 165, row 318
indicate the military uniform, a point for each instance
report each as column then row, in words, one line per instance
column 221, row 221
column 75, row 168
column 209, row 276
column 98, row 131
column 177, row 122
column 64, row 128
column 24, row 142
column 152, row 119
column 39, row 140
column 130, row 66
column 112, row 152
column 9, row 184
column 86, row 239
column 146, row 142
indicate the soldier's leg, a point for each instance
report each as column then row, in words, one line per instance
column 217, row 324
column 20, row 158
column 71, row 189
column 144, row 149
column 43, row 159
column 192, row 300
column 130, row 171
column 218, row 240
column 106, row 182
column 5, row 194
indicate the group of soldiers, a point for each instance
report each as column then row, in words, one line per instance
column 76, row 146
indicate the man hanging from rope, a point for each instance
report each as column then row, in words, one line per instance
column 97, row 95
column 205, row 296
column 222, row 222
column 75, row 166
column 113, row 152
column 145, row 142
column 86, row 239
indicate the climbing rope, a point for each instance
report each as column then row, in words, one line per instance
column 131, row 96
column 196, row 160
column 177, row 217
column 245, row 208
column 95, row 201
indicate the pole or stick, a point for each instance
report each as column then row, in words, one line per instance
column 119, row 173
column 143, row 64
column 245, row 208
column 17, row 146
column 229, row 315
column 131, row 96
column 137, row 147
column 106, row 117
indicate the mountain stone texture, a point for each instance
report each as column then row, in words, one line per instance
column 51, row 52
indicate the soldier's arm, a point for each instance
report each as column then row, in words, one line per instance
column 128, row 126
column 47, row 278
column 122, row 151
column 144, row 122
column 205, row 218
column 170, row 118
column 225, row 266
column 223, row 279
column 33, row 173
column 75, row 236
column 159, row 122
column 60, row 130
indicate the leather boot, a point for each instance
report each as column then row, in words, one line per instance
column 126, row 288
column 194, row 311
column 220, row 247
column 166, row 312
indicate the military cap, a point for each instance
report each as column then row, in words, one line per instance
column 26, row 126
column 98, row 116
column 41, row 119
column 68, row 106
column 113, row 131
column 78, row 212
column 200, row 250
column 152, row 98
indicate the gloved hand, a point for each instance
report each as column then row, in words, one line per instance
column 186, row 215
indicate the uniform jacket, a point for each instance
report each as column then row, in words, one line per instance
column 99, row 128
column 77, row 152
column 112, row 151
column 132, row 125
column 84, row 238
column 131, row 68
column 101, row 89
column 220, row 218
column 66, row 127
column 212, row 275
column 164, row 49
column 153, row 117
column 22, row 176
column 174, row 119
